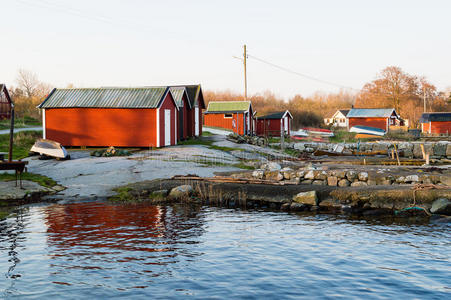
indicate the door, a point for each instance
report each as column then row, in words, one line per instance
column 181, row 123
column 167, row 127
column 196, row 120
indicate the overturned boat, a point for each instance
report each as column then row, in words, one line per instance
column 367, row 130
column 49, row 148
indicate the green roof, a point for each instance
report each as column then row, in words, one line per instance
column 111, row 97
column 228, row 106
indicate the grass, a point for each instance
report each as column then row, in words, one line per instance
column 343, row 136
column 22, row 143
column 206, row 133
column 40, row 179
column 201, row 141
column 20, row 123
column 123, row 195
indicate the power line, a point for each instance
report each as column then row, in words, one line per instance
column 300, row 74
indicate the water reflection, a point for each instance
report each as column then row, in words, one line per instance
column 97, row 237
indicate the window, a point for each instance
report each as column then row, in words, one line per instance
column 228, row 116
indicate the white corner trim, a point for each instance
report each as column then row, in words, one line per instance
column 175, row 127
column 158, row 128
column 44, row 134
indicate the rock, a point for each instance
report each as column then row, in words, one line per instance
column 359, row 183
column 343, row 182
column 286, row 172
column 258, row 174
column 363, row 176
column 448, row 151
column 401, row 179
column 441, row 206
column 309, row 175
column 271, row 166
column 411, row 179
column 351, row 175
column 298, row 206
column 319, row 182
column 299, row 147
column 308, row 181
column 417, row 153
column 58, row 188
column 332, row 180
column 446, row 180
column 371, row 182
column 181, row 191
column 300, row 173
column 379, row 147
column 439, row 149
column 285, row 207
column 273, row 175
column 309, row 198
column 339, row 173
column 320, row 175
column 309, row 150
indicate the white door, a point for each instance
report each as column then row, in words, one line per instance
column 167, row 127
column 196, row 120
column 286, row 124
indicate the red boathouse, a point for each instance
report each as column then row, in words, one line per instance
column 438, row 123
column 121, row 117
column 234, row 115
column 274, row 124
column 381, row 118
column 5, row 103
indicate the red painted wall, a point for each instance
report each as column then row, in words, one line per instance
column 168, row 103
column 425, row 127
column 101, row 127
column 268, row 127
column 441, row 127
column 371, row 122
column 218, row 120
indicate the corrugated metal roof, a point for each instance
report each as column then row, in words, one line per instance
column 177, row 93
column 370, row 113
column 435, row 117
column 228, row 106
column 111, row 97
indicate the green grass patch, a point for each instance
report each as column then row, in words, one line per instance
column 22, row 143
column 20, row 123
column 194, row 141
column 343, row 136
column 123, row 195
column 207, row 133
column 225, row 149
column 40, row 179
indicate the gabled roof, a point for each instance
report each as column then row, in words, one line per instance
column 371, row 113
column 195, row 95
column 228, row 106
column 106, row 97
column 435, row 117
column 276, row 115
column 177, row 93
column 4, row 90
column 344, row 111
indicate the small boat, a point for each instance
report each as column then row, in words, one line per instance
column 367, row 130
column 366, row 136
column 318, row 131
column 49, row 148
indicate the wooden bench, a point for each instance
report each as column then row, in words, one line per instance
column 18, row 166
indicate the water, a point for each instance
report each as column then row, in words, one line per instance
column 99, row 250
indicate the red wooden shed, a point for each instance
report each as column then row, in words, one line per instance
column 122, row 117
column 5, row 103
column 274, row 124
column 234, row 115
column 381, row 118
column 436, row 123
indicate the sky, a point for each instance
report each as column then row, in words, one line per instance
column 90, row 43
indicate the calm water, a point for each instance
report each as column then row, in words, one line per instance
column 100, row 250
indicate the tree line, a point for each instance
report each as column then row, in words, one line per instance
column 392, row 88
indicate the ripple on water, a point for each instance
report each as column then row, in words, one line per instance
column 100, row 250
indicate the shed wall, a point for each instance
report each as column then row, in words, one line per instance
column 371, row 122
column 101, row 127
column 218, row 120
column 441, row 127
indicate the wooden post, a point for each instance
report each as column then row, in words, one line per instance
column 397, row 155
column 245, row 72
column 11, row 135
column 422, row 151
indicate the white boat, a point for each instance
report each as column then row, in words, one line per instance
column 367, row 130
column 49, row 148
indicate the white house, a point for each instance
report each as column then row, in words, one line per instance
column 338, row 119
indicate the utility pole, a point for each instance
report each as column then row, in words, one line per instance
column 424, row 99
column 245, row 72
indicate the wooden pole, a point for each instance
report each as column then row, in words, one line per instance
column 245, row 72
column 11, row 135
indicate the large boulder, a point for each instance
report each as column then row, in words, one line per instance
column 271, row 166
column 287, row 173
column 299, row 146
column 181, row 192
column 359, row 183
column 344, row 182
column 351, row 175
column 273, row 175
column 441, row 206
column 363, row 176
column 332, row 180
column 440, row 149
column 309, row 175
column 412, row 179
column 258, row 174
column 309, row 198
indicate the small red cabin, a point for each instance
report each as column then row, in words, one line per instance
column 5, row 103
column 436, row 123
column 234, row 115
column 381, row 118
column 122, row 117
column 274, row 124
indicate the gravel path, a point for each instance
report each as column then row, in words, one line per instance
column 6, row 131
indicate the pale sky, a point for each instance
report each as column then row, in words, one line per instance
column 93, row 43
